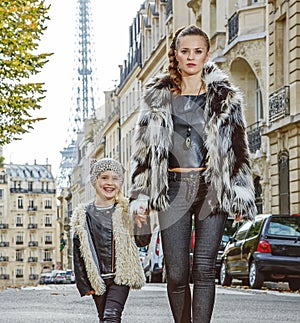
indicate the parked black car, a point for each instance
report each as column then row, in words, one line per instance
column 267, row 249
column 229, row 230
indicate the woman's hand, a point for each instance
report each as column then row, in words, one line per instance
column 91, row 292
column 141, row 216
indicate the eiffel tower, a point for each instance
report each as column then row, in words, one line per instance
column 83, row 100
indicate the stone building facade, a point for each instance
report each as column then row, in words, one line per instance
column 29, row 240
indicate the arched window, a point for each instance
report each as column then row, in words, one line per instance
column 284, row 182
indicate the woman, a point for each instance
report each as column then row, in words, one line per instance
column 191, row 160
column 106, row 260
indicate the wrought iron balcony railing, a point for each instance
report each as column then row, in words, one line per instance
column 32, row 259
column 279, row 103
column 4, row 258
column 233, row 27
column 32, row 244
column 254, row 137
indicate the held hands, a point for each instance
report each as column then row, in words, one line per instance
column 91, row 292
column 140, row 216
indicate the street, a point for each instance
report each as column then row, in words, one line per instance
column 62, row 303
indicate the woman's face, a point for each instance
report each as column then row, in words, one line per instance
column 108, row 185
column 191, row 54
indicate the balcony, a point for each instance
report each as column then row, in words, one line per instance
column 248, row 22
column 32, row 259
column 4, row 276
column 279, row 103
column 48, row 242
column 32, row 208
column 33, row 277
column 20, row 259
column 19, row 275
column 19, row 224
column 32, row 244
column 4, row 244
column 32, row 226
column 18, row 242
column 48, row 224
column 254, row 137
column 47, row 259
column 3, row 226
column 233, row 27
column 4, row 258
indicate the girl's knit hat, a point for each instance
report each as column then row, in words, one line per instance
column 102, row 165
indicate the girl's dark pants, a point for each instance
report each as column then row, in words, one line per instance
column 187, row 194
column 111, row 304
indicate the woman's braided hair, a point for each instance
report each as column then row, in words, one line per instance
column 175, row 74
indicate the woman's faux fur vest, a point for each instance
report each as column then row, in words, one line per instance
column 228, row 170
column 128, row 267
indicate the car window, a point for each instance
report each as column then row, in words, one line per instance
column 255, row 228
column 285, row 226
column 242, row 231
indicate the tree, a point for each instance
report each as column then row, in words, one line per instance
column 22, row 23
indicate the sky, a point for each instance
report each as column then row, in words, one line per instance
column 111, row 21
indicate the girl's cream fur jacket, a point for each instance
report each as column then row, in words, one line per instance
column 128, row 267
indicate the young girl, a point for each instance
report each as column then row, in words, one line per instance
column 106, row 260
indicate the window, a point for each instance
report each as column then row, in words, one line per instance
column 48, row 238
column 255, row 228
column 1, row 194
column 19, row 272
column 48, row 220
column 47, row 255
column 48, row 204
column 284, row 182
column 19, row 220
column 19, row 238
column 285, row 226
column 242, row 232
column 31, row 205
column 30, row 186
column 19, row 255
column 20, row 202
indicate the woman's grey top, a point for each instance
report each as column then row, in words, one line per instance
column 188, row 121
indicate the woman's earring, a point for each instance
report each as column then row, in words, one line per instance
column 116, row 198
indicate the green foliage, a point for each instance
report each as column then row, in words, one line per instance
column 22, row 23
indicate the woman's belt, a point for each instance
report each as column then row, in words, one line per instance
column 187, row 175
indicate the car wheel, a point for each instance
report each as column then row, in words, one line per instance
column 256, row 278
column 225, row 279
column 294, row 284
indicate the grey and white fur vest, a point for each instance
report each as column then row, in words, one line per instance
column 228, row 172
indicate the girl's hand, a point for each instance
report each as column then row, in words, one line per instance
column 91, row 292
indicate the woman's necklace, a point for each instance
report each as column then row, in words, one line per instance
column 188, row 140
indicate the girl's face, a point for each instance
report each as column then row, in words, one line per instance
column 108, row 185
column 191, row 54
